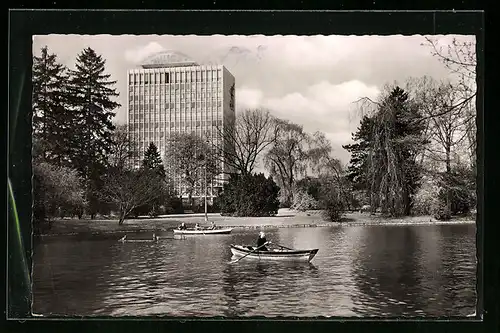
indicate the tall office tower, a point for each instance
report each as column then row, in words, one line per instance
column 170, row 94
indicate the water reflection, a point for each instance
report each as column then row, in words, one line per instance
column 358, row 271
column 397, row 271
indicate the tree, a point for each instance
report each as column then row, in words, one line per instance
column 460, row 59
column 128, row 189
column 288, row 157
column 358, row 164
column 55, row 188
column 152, row 161
column 90, row 97
column 188, row 157
column 459, row 190
column 396, row 141
column 52, row 123
column 121, row 150
column 446, row 131
column 249, row 195
column 245, row 138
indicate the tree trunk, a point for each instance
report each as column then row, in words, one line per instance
column 406, row 203
column 122, row 217
column 448, row 177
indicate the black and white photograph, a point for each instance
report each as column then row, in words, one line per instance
column 242, row 176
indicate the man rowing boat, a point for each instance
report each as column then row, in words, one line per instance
column 261, row 241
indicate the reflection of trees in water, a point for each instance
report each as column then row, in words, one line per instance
column 93, row 277
column 459, row 269
column 245, row 283
column 385, row 271
column 394, row 265
column 70, row 277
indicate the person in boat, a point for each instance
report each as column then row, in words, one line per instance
column 261, row 241
column 212, row 226
column 182, row 226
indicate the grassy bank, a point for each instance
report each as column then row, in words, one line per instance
column 285, row 218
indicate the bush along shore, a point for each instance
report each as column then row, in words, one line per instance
column 284, row 219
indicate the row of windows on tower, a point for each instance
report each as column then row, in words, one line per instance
column 175, row 77
column 140, row 99
column 178, row 123
column 171, row 105
column 170, row 88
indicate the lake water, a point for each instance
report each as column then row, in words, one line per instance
column 359, row 271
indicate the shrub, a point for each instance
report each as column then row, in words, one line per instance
column 249, row 195
column 331, row 201
column 426, row 200
column 303, row 201
column 460, row 184
column 56, row 189
column 173, row 205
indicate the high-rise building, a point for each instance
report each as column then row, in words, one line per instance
column 169, row 93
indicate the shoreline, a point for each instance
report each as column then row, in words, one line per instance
column 285, row 219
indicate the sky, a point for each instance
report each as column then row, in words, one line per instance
column 310, row 80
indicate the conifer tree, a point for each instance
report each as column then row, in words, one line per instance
column 91, row 92
column 152, row 160
column 52, row 123
column 357, row 169
column 90, row 96
column 153, row 165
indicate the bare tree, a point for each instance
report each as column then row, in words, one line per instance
column 187, row 158
column 288, row 157
column 460, row 58
column 245, row 138
column 128, row 189
column 319, row 153
column 448, row 131
column 121, row 149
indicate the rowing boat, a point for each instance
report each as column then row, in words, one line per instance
column 203, row 231
column 283, row 254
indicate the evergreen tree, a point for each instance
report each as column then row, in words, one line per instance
column 152, row 160
column 90, row 96
column 152, row 163
column 52, row 123
column 357, row 169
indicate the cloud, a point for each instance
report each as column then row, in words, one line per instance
column 322, row 107
column 137, row 54
column 248, row 98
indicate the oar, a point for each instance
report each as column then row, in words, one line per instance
column 284, row 247
column 233, row 262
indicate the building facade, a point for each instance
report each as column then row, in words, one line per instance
column 169, row 93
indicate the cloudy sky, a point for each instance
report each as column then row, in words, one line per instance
column 310, row 80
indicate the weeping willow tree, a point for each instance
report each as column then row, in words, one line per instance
column 396, row 139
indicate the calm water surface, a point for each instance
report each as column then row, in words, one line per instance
column 358, row 271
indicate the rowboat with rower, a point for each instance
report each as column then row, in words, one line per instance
column 268, row 251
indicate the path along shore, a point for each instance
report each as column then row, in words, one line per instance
column 286, row 218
